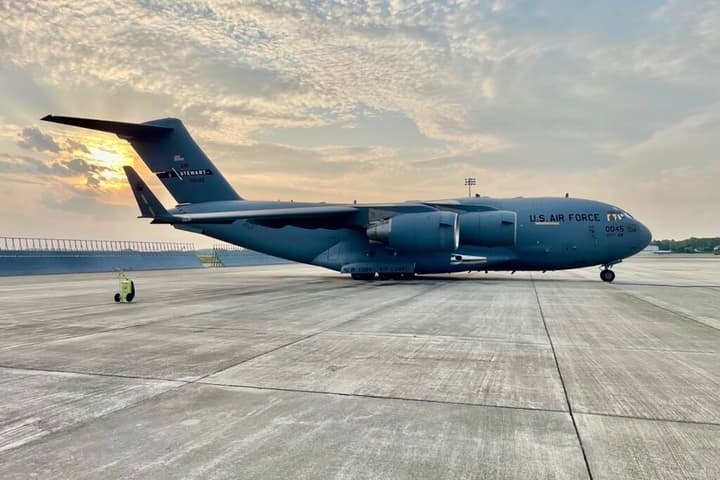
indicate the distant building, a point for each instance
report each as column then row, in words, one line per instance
column 653, row 249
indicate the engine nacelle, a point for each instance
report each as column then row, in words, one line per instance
column 418, row 232
column 495, row 228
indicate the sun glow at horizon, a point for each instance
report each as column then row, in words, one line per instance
column 108, row 155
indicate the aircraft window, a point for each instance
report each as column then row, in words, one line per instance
column 616, row 216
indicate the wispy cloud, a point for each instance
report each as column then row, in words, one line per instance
column 536, row 97
column 32, row 138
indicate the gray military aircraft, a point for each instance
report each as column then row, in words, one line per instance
column 394, row 240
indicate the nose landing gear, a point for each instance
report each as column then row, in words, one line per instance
column 607, row 275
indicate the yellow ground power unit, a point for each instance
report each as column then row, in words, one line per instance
column 127, row 289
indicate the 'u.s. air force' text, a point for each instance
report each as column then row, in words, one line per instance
column 562, row 217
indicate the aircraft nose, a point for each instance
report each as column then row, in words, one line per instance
column 645, row 235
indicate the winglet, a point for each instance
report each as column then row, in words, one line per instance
column 150, row 206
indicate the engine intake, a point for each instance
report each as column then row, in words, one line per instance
column 418, row 232
column 488, row 229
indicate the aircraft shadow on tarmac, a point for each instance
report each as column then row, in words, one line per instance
column 480, row 280
column 496, row 280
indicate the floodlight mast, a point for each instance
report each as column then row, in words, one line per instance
column 470, row 182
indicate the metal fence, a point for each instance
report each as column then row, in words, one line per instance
column 28, row 256
column 77, row 245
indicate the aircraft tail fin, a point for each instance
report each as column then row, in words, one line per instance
column 170, row 152
column 150, row 206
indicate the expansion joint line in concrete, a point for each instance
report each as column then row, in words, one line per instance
column 226, row 367
column 562, row 380
column 665, row 309
column 151, row 323
column 649, row 419
column 306, row 337
column 95, row 374
column 380, row 397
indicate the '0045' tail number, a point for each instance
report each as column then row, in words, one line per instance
column 614, row 230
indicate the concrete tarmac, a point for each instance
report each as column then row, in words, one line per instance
column 296, row 372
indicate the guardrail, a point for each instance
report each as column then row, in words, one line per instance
column 77, row 245
column 28, row 256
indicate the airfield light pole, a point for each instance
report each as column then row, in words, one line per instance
column 470, row 182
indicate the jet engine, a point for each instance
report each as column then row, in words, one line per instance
column 488, row 229
column 418, row 232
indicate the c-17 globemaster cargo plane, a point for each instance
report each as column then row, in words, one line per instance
column 393, row 240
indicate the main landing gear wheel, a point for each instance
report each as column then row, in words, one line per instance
column 363, row 276
column 390, row 276
column 607, row 275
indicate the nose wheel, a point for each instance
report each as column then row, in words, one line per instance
column 607, row 275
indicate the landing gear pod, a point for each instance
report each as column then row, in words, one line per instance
column 127, row 290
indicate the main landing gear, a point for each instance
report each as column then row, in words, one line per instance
column 607, row 275
column 382, row 276
column 363, row 276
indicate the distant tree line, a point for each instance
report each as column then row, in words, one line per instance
column 690, row 245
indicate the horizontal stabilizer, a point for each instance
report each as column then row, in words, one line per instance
column 167, row 148
column 121, row 129
column 150, row 206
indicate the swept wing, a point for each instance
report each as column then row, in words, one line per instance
column 150, row 207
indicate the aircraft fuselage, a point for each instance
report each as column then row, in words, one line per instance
column 550, row 234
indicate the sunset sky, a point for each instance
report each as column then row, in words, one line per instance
column 371, row 101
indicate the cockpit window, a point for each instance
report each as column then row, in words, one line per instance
column 617, row 216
